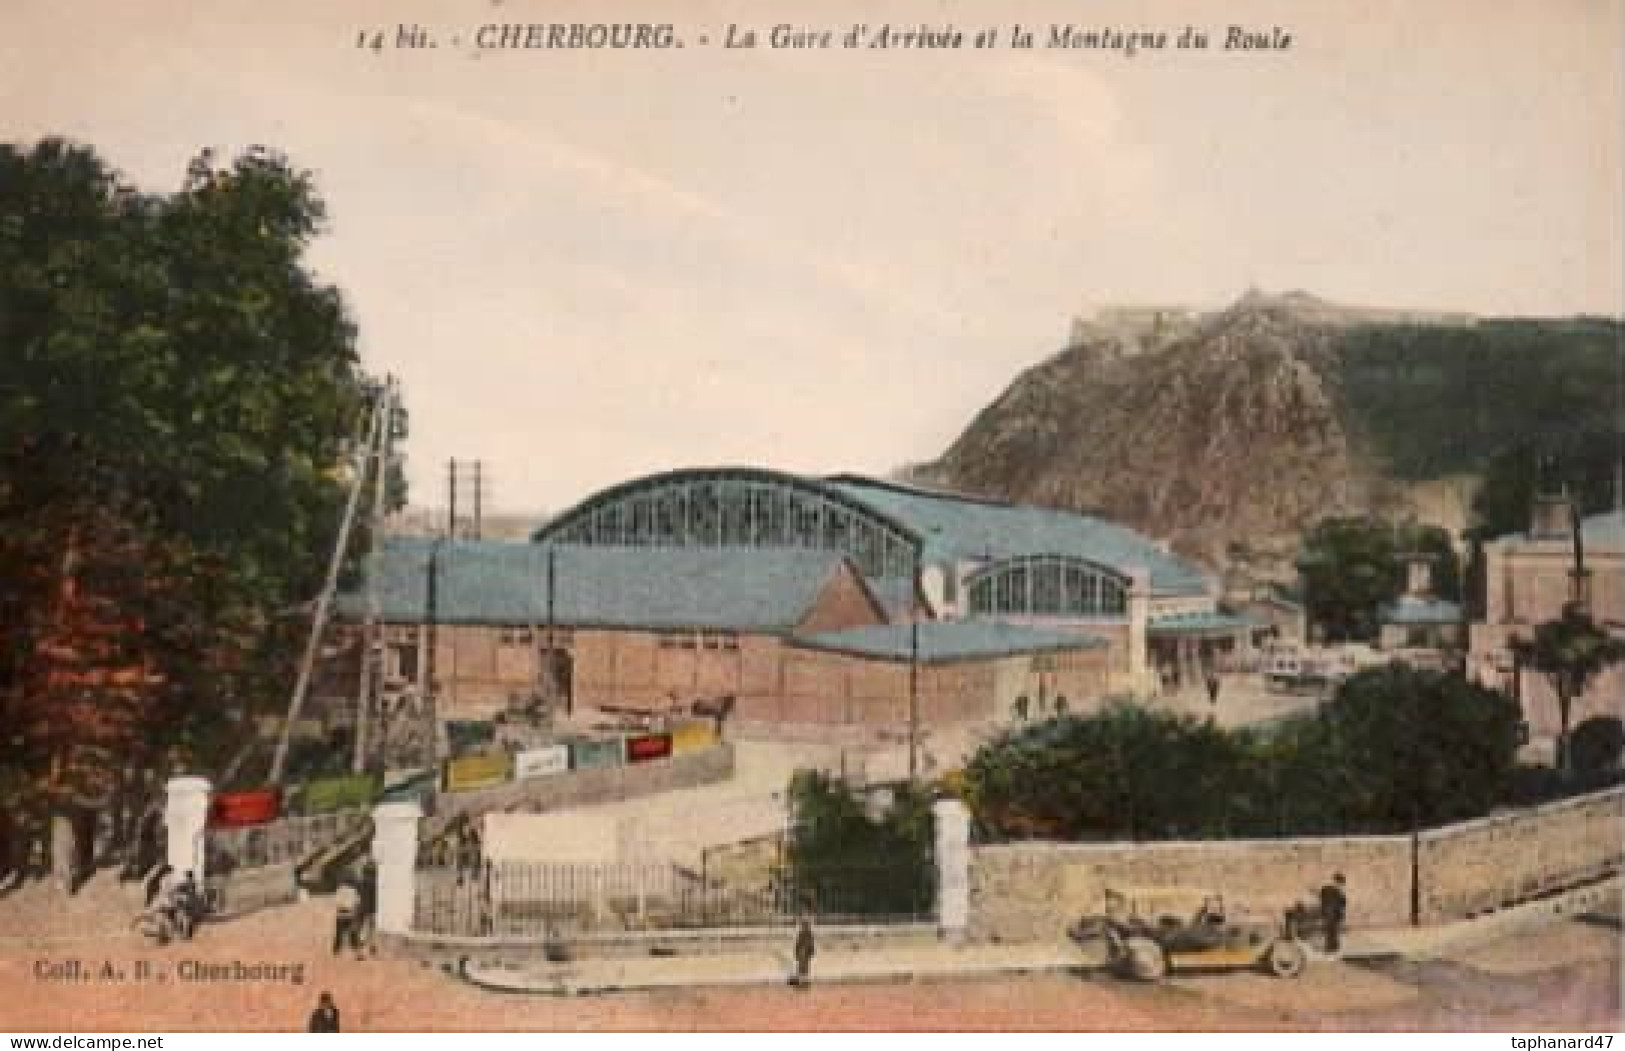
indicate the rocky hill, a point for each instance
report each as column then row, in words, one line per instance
column 1228, row 433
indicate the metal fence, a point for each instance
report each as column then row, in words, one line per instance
column 541, row 900
column 287, row 840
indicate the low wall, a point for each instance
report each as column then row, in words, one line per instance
column 606, row 784
column 1033, row 890
column 1480, row 865
column 1029, row 891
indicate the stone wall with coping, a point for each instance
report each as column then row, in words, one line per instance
column 1023, row 891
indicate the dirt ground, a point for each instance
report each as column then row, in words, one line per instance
column 1567, row 977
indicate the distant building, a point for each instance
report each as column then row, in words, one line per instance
column 1419, row 620
column 1529, row 577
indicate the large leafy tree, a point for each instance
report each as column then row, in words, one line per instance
column 178, row 395
column 1415, row 747
column 1571, row 652
column 1125, row 772
column 1396, row 748
column 844, row 859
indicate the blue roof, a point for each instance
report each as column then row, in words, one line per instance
column 1199, row 623
column 1414, row 609
column 955, row 527
column 948, row 640
column 1605, row 530
column 493, row 582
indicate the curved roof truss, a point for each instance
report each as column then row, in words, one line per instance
column 1047, row 586
column 738, row 507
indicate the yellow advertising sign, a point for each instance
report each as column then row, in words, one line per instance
column 477, row 771
column 693, row 736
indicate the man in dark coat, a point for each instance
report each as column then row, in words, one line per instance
column 367, row 912
column 804, row 953
column 325, row 1019
column 1334, row 905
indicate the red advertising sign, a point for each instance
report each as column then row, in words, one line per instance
column 236, row 809
column 647, row 746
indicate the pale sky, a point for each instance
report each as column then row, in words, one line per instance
column 590, row 265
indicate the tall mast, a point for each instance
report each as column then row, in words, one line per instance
column 329, row 586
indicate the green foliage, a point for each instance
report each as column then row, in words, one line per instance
column 846, row 861
column 1596, row 745
column 1571, row 652
column 1437, row 400
column 1582, row 462
column 1419, row 747
column 1127, row 771
column 1352, row 566
column 177, row 397
column 1396, row 747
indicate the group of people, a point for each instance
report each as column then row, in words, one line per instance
column 178, row 899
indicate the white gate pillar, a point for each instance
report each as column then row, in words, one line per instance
column 395, row 849
column 952, row 828
column 186, row 813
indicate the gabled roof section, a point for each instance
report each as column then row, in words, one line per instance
column 475, row 582
column 1419, row 610
column 1604, row 532
column 1200, row 623
column 947, row 641
column 957, row 527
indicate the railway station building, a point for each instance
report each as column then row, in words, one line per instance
column 804, row 603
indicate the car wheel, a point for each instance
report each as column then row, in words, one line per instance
column 1144, row 959
column 1285, row 958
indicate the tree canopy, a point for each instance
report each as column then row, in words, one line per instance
column 1352, row 566
column 1571, row 652
column 179, row 400
column 1395, row 748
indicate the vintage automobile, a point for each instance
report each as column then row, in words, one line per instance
column 1149, row 931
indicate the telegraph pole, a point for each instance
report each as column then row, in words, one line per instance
column 914, row 672
column 302, row 685
column 451, row 492
column 371, row 655
column 477, row 464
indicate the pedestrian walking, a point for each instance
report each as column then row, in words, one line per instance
column 1334, row 905
column 346, row 918
column 367, row 908
column 325, row 1019
column 804, row 953
column 1212, row 688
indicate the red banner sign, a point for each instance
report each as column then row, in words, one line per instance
column 648, row 746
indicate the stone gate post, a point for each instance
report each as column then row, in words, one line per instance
column 395, row 849
column 952, row 826
column 186, row 813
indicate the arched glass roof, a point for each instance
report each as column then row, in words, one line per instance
column 738, row 507
column 1047, row 586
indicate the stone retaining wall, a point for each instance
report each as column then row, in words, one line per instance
column 1480, row 865
column 1033, row 890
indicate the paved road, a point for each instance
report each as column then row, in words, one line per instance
column 1563, row 977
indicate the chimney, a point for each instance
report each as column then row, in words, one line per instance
column 1549, row 517
column 1419, row 575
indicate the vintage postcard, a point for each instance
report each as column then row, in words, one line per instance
column 877, row 515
